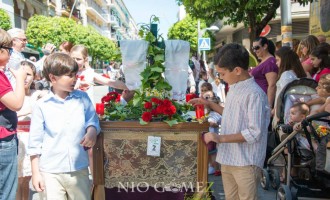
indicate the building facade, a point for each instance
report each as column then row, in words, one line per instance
column 240, row 34
column 110, row 18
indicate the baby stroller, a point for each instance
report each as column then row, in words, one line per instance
column 316, row 181
column 297, row 157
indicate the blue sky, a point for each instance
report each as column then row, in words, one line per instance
column 166, row 10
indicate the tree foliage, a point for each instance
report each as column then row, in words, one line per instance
column 5, row 23
column 255, row 14
column 186, row 29
column 42, row 30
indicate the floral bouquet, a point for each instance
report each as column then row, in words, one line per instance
column 321, row 130
column 152, row 100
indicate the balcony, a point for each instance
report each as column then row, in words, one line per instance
column 113, row 36
column 110, row 3
column 95, row 10
column 113, row 20
column 106, row 17
column 106, row 33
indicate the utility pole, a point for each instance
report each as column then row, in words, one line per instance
column 286, row 23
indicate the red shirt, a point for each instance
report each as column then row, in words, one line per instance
column 318, row 75
column 6, row 114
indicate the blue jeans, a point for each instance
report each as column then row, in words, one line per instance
column 8, row 168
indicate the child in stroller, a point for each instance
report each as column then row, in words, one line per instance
column 311, row 181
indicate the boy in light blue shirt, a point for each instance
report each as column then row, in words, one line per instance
column 63, row 124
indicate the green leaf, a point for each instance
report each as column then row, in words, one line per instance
column 159, row 58
column 142, row 122
column 136, row 101
column 171, row 122
column 157, row 69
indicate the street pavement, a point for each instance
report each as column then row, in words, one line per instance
column 217, row 188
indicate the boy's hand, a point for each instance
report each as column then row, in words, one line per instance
column 89, row 139
column 297, row 127
column 19, row 74
column 38, row 182
column 128, row 95
column 192, row 89
column 84, row 86
column 215, row 125
column 291, row 123
column 198, row 101
column 210, row 137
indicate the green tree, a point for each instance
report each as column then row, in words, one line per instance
column 4, row 20
column 186, row 29
column 255, row 14
column 42, row 30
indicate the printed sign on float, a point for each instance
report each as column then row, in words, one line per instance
column 204, row 44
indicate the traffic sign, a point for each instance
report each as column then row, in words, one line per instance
column 265, row 31
column 204, row 44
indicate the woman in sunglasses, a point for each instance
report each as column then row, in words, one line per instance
column 265, row 74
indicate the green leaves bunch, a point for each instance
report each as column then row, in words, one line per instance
column 152, row 76
column 5, row 23
column 42, row 30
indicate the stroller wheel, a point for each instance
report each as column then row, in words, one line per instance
column 264, row 181
column 275, row 178
column 284, row 193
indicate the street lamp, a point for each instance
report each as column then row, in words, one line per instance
column 200, row 34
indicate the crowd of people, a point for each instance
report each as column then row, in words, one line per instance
column 251, row 102
column 240, row 100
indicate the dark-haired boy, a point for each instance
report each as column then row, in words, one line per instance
column 245, row 120
column 63, row 124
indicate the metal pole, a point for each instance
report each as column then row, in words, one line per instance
column 198, row 36
column 204, row 56
column 286, row 23
column 74, row 4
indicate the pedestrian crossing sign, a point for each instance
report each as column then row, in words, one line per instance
column 204, row 44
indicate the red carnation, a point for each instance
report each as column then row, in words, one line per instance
column 170, row 110
column 167, row 102
column 154, row 112
column 160, row 109
column 146, row 116
column 147, row 105
column 155, row 100
column 118, row 98
column 105, row 99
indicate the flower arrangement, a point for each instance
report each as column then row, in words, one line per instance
column 152, row 101
column 321, row 130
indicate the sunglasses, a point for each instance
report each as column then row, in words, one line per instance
column 255, row 48
column 10, row 50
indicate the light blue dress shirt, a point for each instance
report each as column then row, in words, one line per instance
column 57, row 127
column 247, row 112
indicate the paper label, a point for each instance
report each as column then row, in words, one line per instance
column 153, row 148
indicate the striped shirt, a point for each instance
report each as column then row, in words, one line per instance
column 246, row 112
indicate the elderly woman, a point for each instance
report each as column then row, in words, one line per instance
column 265, row 74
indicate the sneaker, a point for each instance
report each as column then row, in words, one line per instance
column 211, row 170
